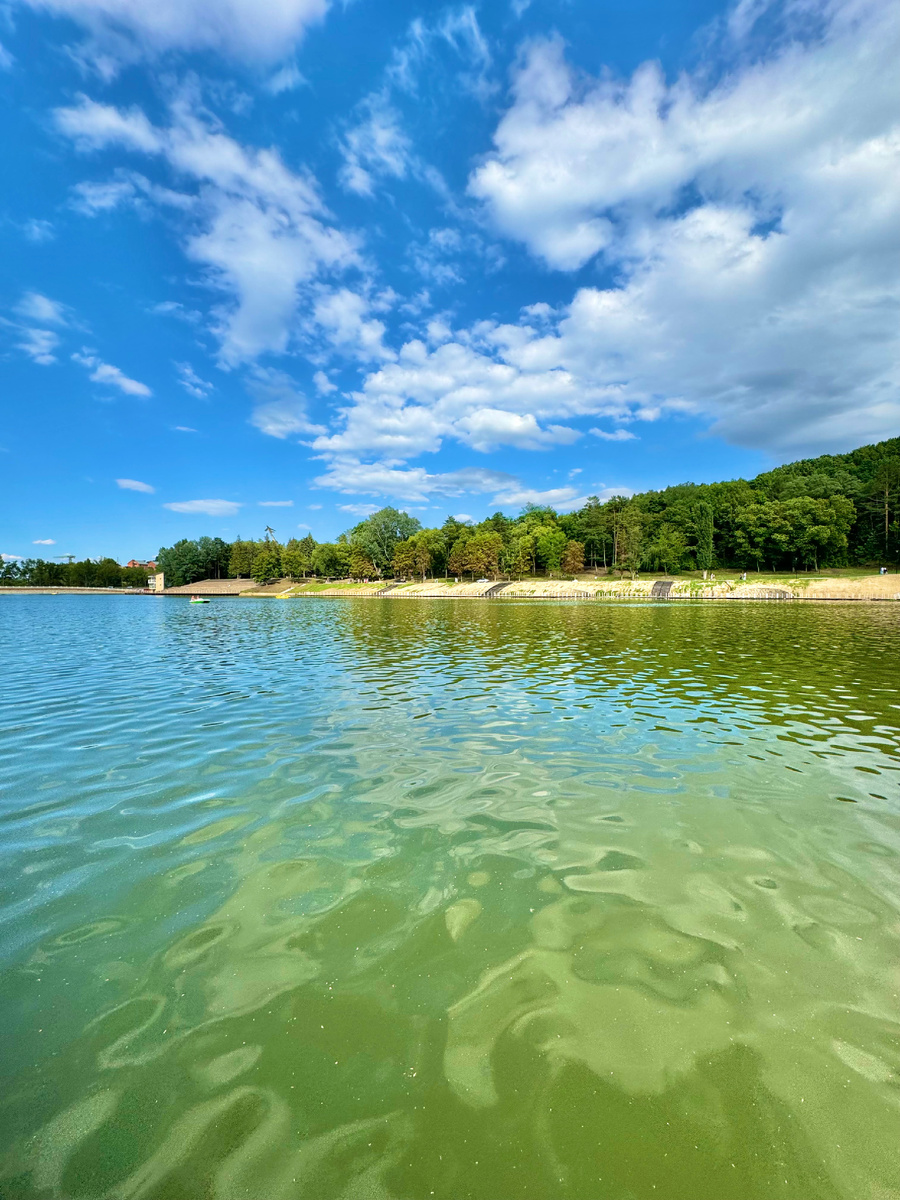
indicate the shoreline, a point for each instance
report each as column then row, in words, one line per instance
column 865, row 589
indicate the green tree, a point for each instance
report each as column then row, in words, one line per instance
column 267, row 564
column 631, row 539
column 182, row 563
column 883, row 492
column 379, row 534
column 332, row 560
column 403, row 563
column 668, row 548
column 240, row 561
column 361, row 566
column 573, row 558
column 551, row 546
column 457, row 562
column 704, row 528
column 293, row 563
column 482, row 554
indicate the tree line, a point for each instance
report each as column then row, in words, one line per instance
column 832, row 511
column 90, row 572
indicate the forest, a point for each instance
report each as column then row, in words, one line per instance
column 833, row 511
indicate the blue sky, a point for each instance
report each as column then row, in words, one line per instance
column 283, row 264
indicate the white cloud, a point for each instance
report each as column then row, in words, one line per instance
column 102, row 372
column 39, row 345
column 185, row 429
column 135, row 485
column 239, row 29
column 191, row 381
column 286, row 79
column 470, row 389
column 343, row 316
column 351, row 476
column 280, row 408
column 376, row 147
column 12, row 557
column 359, row 510
column 488, row 428
column 275, row 503
column 44, row 542
column 93, row 126
column 210, row 508
column 35, row 307
column 260, row 229
column 37, row 230
column 417, row 484
column 172, row 308
column 323, row 384
column 91, row 198
column 754, row 225
column 618, row 435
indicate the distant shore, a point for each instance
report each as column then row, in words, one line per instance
column 878, row 588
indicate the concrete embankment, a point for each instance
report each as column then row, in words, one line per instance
column 872, row 588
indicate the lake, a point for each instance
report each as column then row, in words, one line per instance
column 369, row 899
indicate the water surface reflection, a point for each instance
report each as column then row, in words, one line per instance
column 387, row 899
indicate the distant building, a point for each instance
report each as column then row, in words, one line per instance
column 145, row 566
column 157, row 583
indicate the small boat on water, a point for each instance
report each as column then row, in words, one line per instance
column 197, row 600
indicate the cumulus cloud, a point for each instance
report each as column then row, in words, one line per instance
column 135, row 485
column 44, row 542
column 101, row 372
column 754, row 225
column 12, row 557
column 210, row 508
column 275, row 503
column 323, row 383
column 239, row 29
column 259, row 229
column 185, row 429
column 280, row 407
column 344, row 318
column 472, row 389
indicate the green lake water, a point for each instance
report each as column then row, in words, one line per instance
column 370, row 899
